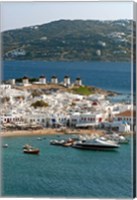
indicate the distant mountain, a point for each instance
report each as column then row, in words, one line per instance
column 70, row 40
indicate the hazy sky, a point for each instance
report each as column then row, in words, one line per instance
column 21, row 14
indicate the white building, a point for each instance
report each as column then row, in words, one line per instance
column 35, row 119
column 10, row 118
column 86, row 119
column 117, row 125
column 5, row 86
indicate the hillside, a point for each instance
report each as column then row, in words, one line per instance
column 70, row 40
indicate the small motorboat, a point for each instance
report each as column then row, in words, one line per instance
column 39, row 138
column 67, row 144
column 31, row 151
column 120, row 139
column 5, row 145
column 123, row 140
column 27, row 146
column 57, row 142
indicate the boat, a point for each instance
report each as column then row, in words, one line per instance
column 5, row 145
column 67, row 144
column 31, row 151
column 57, row 142
column 123, row 140
column 27, row 146
column 39, row 138
column 96, row 144
column 120, row 139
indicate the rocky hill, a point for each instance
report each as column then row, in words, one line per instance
column 70, row 40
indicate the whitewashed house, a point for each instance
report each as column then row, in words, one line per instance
column 5, row 86
column 11, row 118
column 117, row 125
column 36, row 118
column 86, row 119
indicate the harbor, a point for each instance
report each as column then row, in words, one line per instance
column 64, row 170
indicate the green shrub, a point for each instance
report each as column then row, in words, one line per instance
column 83, row 90
column 39, row 104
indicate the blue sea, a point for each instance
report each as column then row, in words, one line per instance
column 107, row 75
column 68, row 172
column 64, row 171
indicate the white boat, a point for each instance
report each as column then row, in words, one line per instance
column 27, row 146
column 5, row 145
column 39, row 138
column 122, row 140
column 96, row 144
column 57, row 142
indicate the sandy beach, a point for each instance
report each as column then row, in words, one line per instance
column 48, row 131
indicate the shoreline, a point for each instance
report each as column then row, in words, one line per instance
column 49, row 131
column 52, row 131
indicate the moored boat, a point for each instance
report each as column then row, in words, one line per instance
column 57, row 142
column 123, row 140
column 27, row 146
column 67, row 144
column 96, row 144
column 39, row 138
column 5, row 145
column 31, row 151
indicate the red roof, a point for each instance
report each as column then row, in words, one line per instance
column 127, row 113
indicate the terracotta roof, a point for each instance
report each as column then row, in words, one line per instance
column 127, row 113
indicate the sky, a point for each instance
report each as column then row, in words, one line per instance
column 22, row 14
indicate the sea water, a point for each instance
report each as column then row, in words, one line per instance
column 112, row 76
column 64, row 171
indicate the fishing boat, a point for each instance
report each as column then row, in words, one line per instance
column 31, row 151
column 96, row 144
